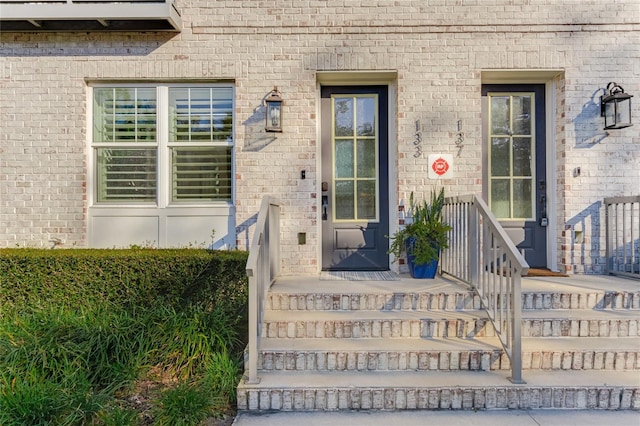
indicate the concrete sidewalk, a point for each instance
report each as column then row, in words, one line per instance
column 445, row 418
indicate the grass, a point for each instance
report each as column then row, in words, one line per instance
column 183, row 405
column 60, row 366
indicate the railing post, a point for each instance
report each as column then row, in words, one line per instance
column 516, row 330
column 253, row 330
column 608, row 238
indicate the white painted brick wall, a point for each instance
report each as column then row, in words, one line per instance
column 438, row 50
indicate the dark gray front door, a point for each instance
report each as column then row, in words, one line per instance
column 354, row 202
column 515, row 184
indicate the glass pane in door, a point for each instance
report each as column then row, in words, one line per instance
column 366, row 199
column 343, row 164
column 366, row 158
column 500, row 156
column 355, row 157
column 500, row 198
column 343, row 116
column 344, row 194
column 522, row 156
column 511, row 154
column 366, row 116
column 500, row 112
column 521, row 115
column 522, row 204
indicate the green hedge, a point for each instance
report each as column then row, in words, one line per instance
column 33, row 278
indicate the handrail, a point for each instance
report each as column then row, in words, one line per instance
column 623, row 236
column 482, row 255
column 263, row 265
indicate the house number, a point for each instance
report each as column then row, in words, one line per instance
column 459, row 137
column 417, row 142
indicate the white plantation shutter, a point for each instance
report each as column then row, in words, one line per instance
column 200, row 142
column 126, row 174
column 201, row 114
column 125, row 115
column 125, row 119
column 201, row 173
column 197, row 141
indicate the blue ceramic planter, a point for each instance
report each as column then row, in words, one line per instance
column 425, row 270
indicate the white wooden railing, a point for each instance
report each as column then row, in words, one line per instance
column 263, row 266
column 482, row 255
column 623, row 236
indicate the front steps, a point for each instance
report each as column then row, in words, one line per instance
column 445, row 355
column 425, row 344
column 411, row 390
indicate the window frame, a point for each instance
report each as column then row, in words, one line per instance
column 163, row 146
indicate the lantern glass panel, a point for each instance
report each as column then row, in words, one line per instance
column 623, row 112
column 609, row 114
column 274, row 116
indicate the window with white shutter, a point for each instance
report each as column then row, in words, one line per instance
column 200, row 138
column 125, row 142
column 162, row 139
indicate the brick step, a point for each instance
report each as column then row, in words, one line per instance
column 457, row 300
column 599, row 300
column 584, row 353
column 406, row 390
column 372, row 324
column 580, row 323
column 483, row 354
column 424, row 301
column 430, row 324
column 577, row 292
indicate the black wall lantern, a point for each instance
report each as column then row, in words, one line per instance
column 615, row 107
column 274, row 111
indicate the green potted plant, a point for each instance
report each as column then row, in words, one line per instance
column 423, row 237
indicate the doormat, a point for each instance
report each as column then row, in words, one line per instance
column 358, row 276
column 542, row 272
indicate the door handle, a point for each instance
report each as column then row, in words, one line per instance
column 325, row 207
column 544, row 221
